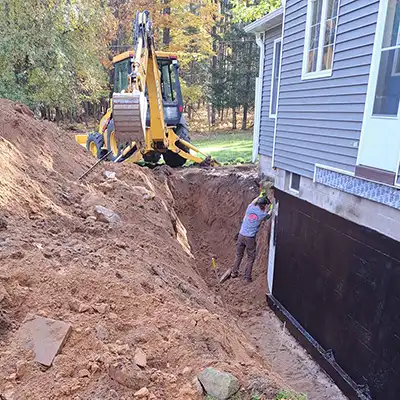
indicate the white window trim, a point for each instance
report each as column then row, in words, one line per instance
column 271, row 115
column 326, row 73
column 291, row 181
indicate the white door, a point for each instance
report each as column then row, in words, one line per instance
column 380, row 138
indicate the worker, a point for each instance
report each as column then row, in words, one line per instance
column 258, row 210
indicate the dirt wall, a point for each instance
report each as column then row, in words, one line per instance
column 124, row 286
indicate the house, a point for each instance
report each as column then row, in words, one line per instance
column 327, row 130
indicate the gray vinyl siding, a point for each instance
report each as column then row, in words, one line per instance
column 267, row 125
column 319, row 120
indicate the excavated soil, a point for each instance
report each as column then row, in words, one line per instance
column 145, row 282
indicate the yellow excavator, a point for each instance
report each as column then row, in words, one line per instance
column 145, row 119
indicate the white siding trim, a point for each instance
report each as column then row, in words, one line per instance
column 272, row 246
column 271, row 115
column 374, row 72
column 340, row 171
column 258, row 100
column 279, row 87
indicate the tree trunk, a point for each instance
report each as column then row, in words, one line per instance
column 234, row 121
column 209, row 117
column 244, row 122
column 166, row 31
column 58, row 115
column 86, row 107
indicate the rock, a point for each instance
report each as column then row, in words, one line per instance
column 218, row 384
column 226, row 275
column 106, row 215
column 128, row 375
column 83, row 373
column 101, row 308
column 113, row 316
column 109, row 175
column 142, row 191
column 101, row 332
column 45, row 337
column 197, row 386
column 140, row 358
column 143, row 392
column 94, row 367
column 119, row 348
column 21, row 368
column 79, row 307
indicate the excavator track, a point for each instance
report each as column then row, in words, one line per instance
column 129, row 115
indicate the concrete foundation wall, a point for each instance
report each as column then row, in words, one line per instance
column 376, row 216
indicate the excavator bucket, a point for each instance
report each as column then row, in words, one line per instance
column 129, row 115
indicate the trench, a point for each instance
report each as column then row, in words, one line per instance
column 211, row 206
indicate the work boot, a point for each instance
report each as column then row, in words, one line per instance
column 248, row 279
column 234, row 275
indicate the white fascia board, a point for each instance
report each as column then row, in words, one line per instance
column 266, row 23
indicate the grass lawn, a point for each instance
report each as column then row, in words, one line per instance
column 226, row 148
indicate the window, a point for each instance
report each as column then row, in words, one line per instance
column 276, row 66
column 322, row 16
column 387, row 93
column 294, row 182
column 121, row 72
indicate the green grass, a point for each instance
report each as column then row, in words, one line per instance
column 226, row 148
column 289, row 395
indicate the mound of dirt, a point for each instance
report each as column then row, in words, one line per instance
column 125, row 287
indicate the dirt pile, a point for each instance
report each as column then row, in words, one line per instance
column 127, row 287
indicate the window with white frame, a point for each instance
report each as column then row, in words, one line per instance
column 276, row 66
column 319, row 46
column 387, row 93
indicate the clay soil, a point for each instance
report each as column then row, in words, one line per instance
column 145, row 282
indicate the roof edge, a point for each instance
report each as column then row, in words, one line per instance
column 266, row 22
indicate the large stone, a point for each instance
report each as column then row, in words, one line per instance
column 140, row 358
column 143, row 392
column 109, row 175
column 218, row 384
column 106, row 215
column 128, row 375
column 142, row 191
column 45, row 337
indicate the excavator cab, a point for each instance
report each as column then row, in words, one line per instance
column 168, row 67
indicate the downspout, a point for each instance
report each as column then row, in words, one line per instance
column 258, row 97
